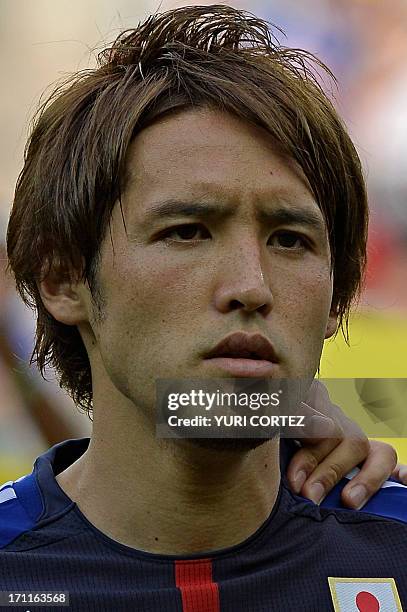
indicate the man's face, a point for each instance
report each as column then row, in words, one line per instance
column 253, row 257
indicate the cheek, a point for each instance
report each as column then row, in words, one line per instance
column 307, row 307
column 309, row 285
column 315, row 291
column 307, row 298
column 171, row 281
column 151, row 295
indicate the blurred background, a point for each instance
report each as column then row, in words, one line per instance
column 364, row 42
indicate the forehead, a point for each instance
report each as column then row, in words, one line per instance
column 204, row 153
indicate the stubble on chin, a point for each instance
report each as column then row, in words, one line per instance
column 227, row 445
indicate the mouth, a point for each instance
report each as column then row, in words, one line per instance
column 242, row 354
column 245, row 368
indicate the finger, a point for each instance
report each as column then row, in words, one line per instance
column 318, row 397
column 306, row 460
column 334, row 467
column 319, row 436
column 378, row 466
column 313, row 426
column 400, row 473
column 318, row 442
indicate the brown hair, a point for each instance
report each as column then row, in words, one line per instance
column 75, row 159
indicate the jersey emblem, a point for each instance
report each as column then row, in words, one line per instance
column 364, row 595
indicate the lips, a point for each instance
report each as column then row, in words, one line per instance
column 244, row 346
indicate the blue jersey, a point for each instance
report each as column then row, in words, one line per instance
column 303, row 558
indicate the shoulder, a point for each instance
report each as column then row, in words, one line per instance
column 21, row 507
column 389, row 502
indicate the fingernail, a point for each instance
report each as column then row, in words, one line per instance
column 358, row 495
column 316, row 492
column 299, row 480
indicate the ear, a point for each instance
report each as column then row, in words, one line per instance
column 332, row 323
column 64, row 297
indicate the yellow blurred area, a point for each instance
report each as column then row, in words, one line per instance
column 378, row 349
column 12, row 468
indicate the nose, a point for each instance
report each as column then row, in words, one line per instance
column 243, row 283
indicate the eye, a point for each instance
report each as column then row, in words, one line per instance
column 188, row 232
column 288, row 240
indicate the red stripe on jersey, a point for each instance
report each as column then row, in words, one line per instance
column 199, row 592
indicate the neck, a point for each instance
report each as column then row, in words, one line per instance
column 170, row 497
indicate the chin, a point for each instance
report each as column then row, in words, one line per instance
column 227, row 445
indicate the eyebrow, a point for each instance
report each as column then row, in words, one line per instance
column 278, row 215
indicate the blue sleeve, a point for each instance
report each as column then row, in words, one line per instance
column 20, row 508
column 390, row 501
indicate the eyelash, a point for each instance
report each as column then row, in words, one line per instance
column 167, row 233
